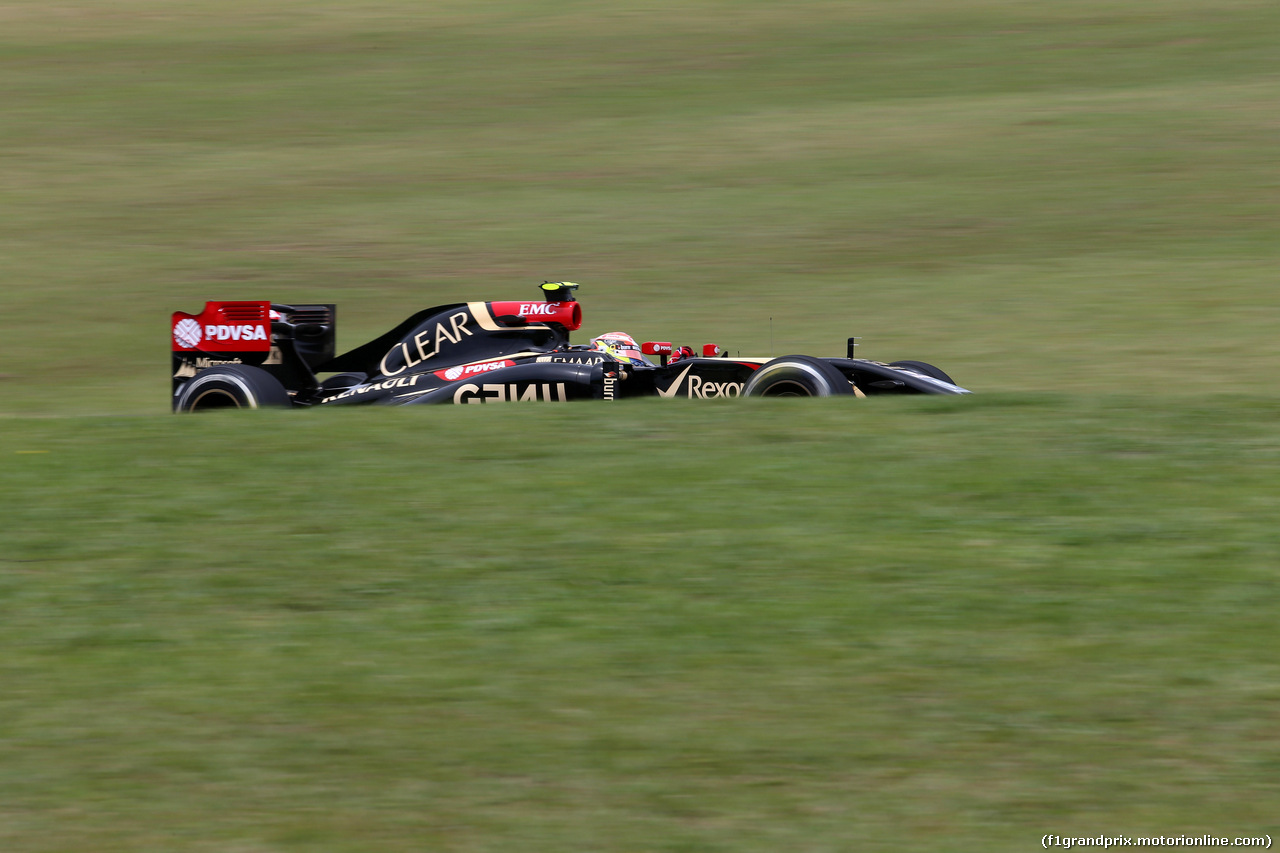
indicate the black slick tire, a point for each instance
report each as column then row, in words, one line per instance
column 797, row 376
column 231, row 386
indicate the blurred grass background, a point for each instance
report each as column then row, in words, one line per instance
column 873, row 625
column 1070, row 196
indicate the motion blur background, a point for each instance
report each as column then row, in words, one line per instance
column 1070, row 196
column 858, row 625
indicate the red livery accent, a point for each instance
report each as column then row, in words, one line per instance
column 463, row 371
column 655, row 348
column 223, row 327
column 710, row 350
column 567, row 314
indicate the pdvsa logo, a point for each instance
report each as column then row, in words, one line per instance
column 244, row 332
column 186, row 333
column 462, row 371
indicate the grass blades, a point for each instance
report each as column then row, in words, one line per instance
column 750, row 625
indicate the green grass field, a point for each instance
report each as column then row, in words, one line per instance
column 915, row 624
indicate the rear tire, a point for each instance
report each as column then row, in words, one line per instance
column 231, row 386
column 925, row 368
column 797, row 376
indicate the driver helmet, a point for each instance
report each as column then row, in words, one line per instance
column 620, row 346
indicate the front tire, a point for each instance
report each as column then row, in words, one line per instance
column 231, row 386
column 797, row 376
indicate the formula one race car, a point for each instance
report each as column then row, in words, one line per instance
column 263, row 354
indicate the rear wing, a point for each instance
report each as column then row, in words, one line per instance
column 288, row 341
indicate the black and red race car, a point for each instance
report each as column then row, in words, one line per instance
column 264, row 354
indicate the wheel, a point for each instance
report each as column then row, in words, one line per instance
column 925, row 368
column 231, row 386
column 797, row 376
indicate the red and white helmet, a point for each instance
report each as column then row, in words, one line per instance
column 621, row 346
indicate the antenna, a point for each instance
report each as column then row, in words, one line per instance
column 771, row 336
